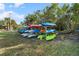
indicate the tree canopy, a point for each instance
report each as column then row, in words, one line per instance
column 66, row 17
column 9, row 23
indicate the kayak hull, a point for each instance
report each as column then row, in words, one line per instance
column 47, row 37
column 51, row 37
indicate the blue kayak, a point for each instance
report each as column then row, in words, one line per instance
column 50, row 31
column 48, row 24
column 36, row 31
column 23, row 31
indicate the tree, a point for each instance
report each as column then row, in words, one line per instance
column 7, row 23
column 66, row 17
column 10, row 23
column 75, row 17
column 1, row 22
column 13, row 25
column 50, row 13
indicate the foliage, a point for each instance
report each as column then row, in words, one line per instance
column 66, row 17
column 9, row 23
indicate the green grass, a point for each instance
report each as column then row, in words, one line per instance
column 12, row 44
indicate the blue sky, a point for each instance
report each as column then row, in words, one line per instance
column 25, row 8
column 18, row 11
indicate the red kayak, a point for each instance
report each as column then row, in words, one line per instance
column 35, row 26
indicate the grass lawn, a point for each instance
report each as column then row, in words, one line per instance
column 12, row 44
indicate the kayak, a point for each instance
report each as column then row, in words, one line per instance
column 25, row 34
column 36, row 31
column 31, row 35
column 48, row 24
column 34, row 26
column 50, row 31
column 48, row 37
column 41, row 37
column 51, row 37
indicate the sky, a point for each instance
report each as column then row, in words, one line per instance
column 18, row 11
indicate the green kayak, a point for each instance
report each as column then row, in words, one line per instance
column 47, row 37
column 51, row 37
column 41, row 37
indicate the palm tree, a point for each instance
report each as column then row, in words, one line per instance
column 64, row 17
column 11, row 24
column 75, row 17
column 7, row 23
